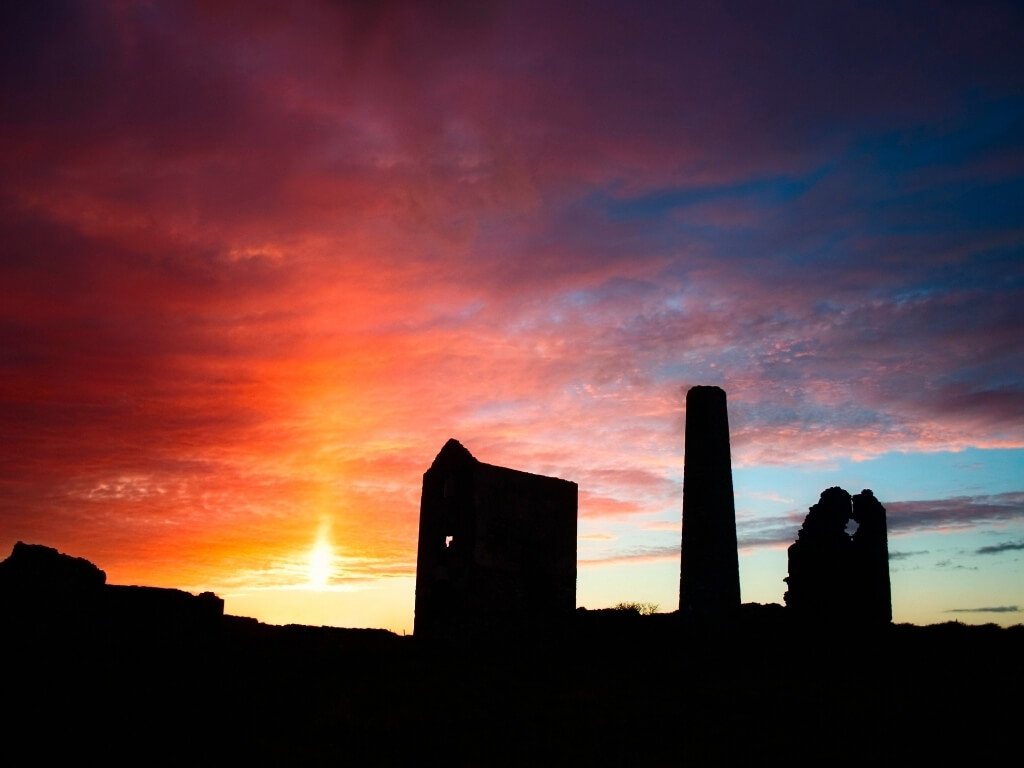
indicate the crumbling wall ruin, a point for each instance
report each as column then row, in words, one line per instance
column 835, row 576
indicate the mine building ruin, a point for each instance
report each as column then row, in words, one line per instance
column 497, row 550
column 836, row 577
column 709, row 573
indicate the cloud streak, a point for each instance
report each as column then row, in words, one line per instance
column 906, row 555
column 997, row 549
column 992, row 609
column 957, row 512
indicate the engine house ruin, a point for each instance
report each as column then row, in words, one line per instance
column 497, row 550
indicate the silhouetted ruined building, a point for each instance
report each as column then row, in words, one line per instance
column 836, row 577
column 497, row 549
column 709, row 574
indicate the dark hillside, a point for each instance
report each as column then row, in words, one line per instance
column 136, row 675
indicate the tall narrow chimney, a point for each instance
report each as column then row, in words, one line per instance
column 709, row 576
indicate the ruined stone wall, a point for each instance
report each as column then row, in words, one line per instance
column 497, row 549
column 835, row 576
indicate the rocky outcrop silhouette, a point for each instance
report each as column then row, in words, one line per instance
column 39, row 586
column 44, row 589
column 39, row 568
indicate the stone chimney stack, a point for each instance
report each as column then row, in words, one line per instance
column 709, row 579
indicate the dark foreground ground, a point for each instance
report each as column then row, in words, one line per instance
column 621, row 689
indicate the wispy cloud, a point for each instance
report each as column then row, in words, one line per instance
column 595, row 537
column 992, row 609
column 955, row 512
column 995, row 549
column 770, row 496
column 949, row 565
column 635, row 554
column 905, row 555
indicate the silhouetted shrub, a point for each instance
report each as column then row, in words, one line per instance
column 644, row 609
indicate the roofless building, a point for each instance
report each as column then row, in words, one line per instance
column 497, row 549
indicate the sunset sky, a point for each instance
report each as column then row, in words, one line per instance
column 260, row 260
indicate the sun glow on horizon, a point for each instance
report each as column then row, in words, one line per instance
column 320, row 563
